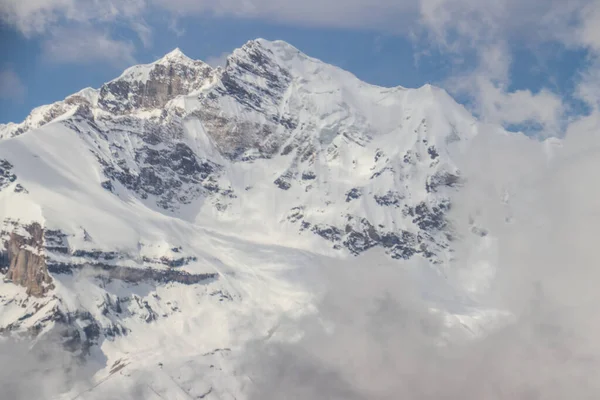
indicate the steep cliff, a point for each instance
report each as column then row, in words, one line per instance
column 27, row 264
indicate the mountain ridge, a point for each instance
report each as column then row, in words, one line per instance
column 90, row 94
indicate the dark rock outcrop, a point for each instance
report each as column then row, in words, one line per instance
column 166, row 80
column 353, row 194
column 390, row 199
column 27, row 264
column 174, row 175
column 135, row 275
column 6, row 175
column 442, row 179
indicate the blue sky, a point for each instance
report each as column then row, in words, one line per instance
column 519, row 65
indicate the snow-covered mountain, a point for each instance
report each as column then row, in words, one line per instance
column 170, row 210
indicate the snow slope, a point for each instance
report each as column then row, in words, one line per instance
column 183, row 206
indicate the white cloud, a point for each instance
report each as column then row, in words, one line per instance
column 38, row 16
column 217, row 61
column 380, row 14
column 588, row 34
column 373, row 337
column 485, row 87
column 487, row 30
column 449, row 21
column 11, row 87
column 30, row 17
column 175, row 27
column 84, row 46
column 144, row 32
column 519, row 107
column 577, row 24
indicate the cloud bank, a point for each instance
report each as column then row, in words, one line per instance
column 376, row 336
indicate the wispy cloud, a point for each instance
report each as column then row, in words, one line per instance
column 217, row 61
column 377, row 337
column 45, row 362
column 143, row 31
column 11, row 86
column 38, row 16
column 85, row 46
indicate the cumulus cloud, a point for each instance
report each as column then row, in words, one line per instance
column 11, row 86
column 41, row 370
column 588, row 88
column 466, row 28
column 486, row 84
column 485, row 32
column 491, row 101
column 82, row 46
column 33, row 16
column 586, row 33
column 377, row 336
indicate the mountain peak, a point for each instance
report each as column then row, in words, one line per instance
column 142, row 72
column 276, row 47
column 178, row 57
column 176, row 53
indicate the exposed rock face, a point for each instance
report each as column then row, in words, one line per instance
column 6, row 175
column 34, row 258
column 255, row 82
column 40, row 116
column 27, row 263
column 136, row 275
column 174, row 175
column 30, row 255
column 152, row 86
